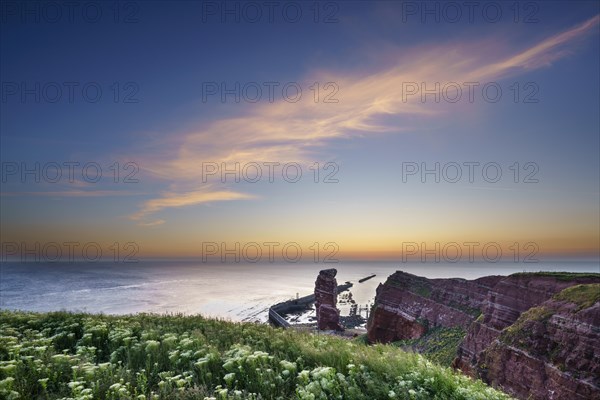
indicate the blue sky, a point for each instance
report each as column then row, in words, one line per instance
column 174, row 48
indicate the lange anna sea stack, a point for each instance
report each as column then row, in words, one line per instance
column 328, row 316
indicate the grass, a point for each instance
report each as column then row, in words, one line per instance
column 438, row 344
column 423, row 290
column 85, row 356
column 517, row 334
column 472, row 311
column 561, row 276
column 416, row 285
column 583, row 295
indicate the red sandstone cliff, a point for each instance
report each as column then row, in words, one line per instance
column 328, row 316
column 551, row 352
column 505, row 302
column 555, row 359
column 407, row 305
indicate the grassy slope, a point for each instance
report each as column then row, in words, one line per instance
column 439, row 344
column 84, row 356
column 583, row 295
column 564, row 276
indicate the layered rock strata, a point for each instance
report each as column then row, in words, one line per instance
column 328, row 316
column 535, row 335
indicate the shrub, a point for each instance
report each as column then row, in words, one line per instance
column 83, row 356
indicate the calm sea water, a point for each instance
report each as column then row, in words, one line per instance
column 240, row 292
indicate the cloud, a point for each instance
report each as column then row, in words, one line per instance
column 152, row 223
column 284, row 131
column 542, row 54
column 177, row 200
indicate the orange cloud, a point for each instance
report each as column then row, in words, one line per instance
column 177, row 200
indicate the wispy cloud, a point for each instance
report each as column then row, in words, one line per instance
column 540, row 55
column 176, row 200
column 284, row 132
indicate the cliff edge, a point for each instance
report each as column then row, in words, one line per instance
column 535, row 335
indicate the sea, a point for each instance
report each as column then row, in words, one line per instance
column 236, row 292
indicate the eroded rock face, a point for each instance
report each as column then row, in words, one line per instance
column 407, row 305
column 551, row 352
column 522, row 336
column 506, row 301
column 388, row 325
column 328, row 316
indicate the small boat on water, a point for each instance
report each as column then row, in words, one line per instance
column 367, row 278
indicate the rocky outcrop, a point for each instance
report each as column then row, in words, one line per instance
column 506, row 301
column 551, row 352
column 406, row 305
column 535, row 335
column 328, row 316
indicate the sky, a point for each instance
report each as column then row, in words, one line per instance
column 180, row 129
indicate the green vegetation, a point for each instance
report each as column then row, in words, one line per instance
column 472, row 311
column 361, row 339
column 423, row 290
column 561, row 276
column 536, row 320
column 438, row 344
column 517, row 334
column 414, row 284
column 583, row 295
column 83, row 356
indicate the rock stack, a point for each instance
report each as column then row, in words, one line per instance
column 328, row 316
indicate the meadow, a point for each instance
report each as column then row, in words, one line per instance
column 64, row 355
